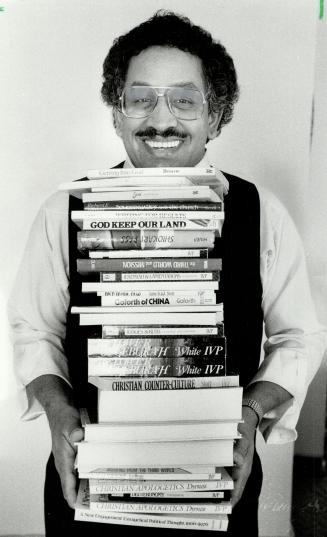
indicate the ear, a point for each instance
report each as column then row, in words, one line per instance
column 214, row 119
column 117, row 120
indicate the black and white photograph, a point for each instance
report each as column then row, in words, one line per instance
column 163, row 284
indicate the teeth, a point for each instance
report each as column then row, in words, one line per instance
column 162, row 145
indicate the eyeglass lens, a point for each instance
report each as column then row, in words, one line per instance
column 140, row 101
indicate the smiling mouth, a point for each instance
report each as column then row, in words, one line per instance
column 162, row 145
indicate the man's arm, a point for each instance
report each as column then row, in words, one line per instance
column 37, row 312
column 269, row 396
column 56, row 397
column 295, row 339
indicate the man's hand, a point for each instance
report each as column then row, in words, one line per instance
column 56, row 397
column 243, row 455
column 66, row 429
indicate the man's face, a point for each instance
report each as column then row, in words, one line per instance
column 165, row 67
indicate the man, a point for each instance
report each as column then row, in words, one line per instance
column 161, row 64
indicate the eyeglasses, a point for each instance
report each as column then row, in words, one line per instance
column 140, row 101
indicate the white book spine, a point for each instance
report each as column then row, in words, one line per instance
column 168, row 383
column 216, row 452
column 154, row 521
column 109, row 476
column 99, row 486
column 128, row 224
column 113, row 214
column 145, row 300
column 95, row 287
column 151, row 309
column 114, row 254
column 188, row 193
column 155, row 172
column 201, row 318
column 161, row 508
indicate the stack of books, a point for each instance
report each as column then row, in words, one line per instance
column 168, row 408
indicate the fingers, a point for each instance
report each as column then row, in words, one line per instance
column 64, row 436
column 243, row 456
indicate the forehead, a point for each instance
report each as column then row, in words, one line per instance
column 165, row 66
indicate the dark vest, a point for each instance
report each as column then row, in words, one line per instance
column 240, row 291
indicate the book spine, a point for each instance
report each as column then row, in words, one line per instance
column 215, row 308
column 187, row 319
column 114, row 487
column 167, row 331
column 164, row 476
column 100, row 287
column 147, row 472
column 85, row 266
column 151, row 172
column 144, row 239
column 144, row 299
column 158, row 276
column 152, row 367
column 113, row 254
column 191, row 349
column 152, row 206
column 154, row 224
column 153, row 521
column 168, row 383
column 104, row 503
column 144, row 216
column 149, row 194
column 210, row 494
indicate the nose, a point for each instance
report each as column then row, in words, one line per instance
column 161, row 117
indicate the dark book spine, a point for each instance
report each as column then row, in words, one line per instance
column 85, row 266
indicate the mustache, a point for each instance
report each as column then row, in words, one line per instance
column 151, row 132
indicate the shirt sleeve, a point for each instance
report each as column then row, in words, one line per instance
column 295, row 340
column 39, row 300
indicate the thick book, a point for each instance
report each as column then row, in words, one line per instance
column 145, row 432
column 103, row 502
column 216, row 452
column 162, row 331
column 131, row 384
column 174, row 264
column 159, row 298
column 123, row 254
column 150, row 318
column 144, row 239
column 108, row 205
column 150, row 194
column 98, row 287
column 158, row 276
column 171, row 406
column 191, row 522
column 152, row 172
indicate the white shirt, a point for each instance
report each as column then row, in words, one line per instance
column 295, row 341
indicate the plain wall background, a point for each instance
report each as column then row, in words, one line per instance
column 54, row 127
